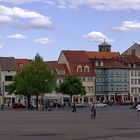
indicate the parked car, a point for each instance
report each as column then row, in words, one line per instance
column 18, row 105
column 57, row 105
column 80, row 105
column 101, row 105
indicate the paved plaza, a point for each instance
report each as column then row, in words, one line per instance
column 112, row 123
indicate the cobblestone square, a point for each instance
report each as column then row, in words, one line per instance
column 112, row 123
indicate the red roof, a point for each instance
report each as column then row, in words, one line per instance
column 102, row 55
column 113, row 64
column 56, row 67
column 21, row 63
column 131, row 59
column 76, row 56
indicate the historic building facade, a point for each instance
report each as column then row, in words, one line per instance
column 7, row 72
column 106, row 75
column 112, row 76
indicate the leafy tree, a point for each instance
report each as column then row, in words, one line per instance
column 34, row 79
column 71, row 86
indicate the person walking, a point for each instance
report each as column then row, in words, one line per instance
column 93, row 111
column 138, row 110
column 74, row 108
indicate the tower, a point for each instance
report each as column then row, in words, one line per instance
column 104, row 47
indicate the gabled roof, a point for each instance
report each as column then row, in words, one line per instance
column 21, row 63
column 76, row 56
column 55, row 66
column 129, row 51
column 102, row 55
column 7, row 64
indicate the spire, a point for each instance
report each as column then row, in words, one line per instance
column 38, row 57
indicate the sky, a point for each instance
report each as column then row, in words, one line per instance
column 28, row 27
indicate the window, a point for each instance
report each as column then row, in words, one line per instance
column 96, row 63
column 21, row 65
column 90, row 89
column 131, row 73
column 79, row 68
column 8, row 78
column 135, row 73
column 139, row 73
column 86, row 68
column 61, row 72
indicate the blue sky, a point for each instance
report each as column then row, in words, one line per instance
column 49, row 26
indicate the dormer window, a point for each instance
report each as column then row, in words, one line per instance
column 61, row 72
column 86, row 68
column 79, row 68
column 96, row 63
column 101, row 63
column 21, row 65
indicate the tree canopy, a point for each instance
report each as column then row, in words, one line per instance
column 71, row 86
column 34, row 79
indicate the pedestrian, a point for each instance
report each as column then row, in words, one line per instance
column 74, row 108
column 2, row 106
column 138, row 110
column 93, row 111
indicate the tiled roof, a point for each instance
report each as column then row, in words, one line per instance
column 76, row 56
column 73, row 69
column 21, row 63
column 102, row 55
column 7, row 63
column 55, row 66
column 113, row 64
column 131, row 59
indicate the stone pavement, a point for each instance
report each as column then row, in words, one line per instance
column 112, row 123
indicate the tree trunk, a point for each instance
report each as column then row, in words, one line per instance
column 37, row 101
column 28, row 101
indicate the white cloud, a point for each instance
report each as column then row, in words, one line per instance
column 49, row 2
column 19, row 1
column 2, row 45
column 44, row 41
column 106, row 5
column 17, row 36
column 97, row 37
column 39, row 23
column 5, row 19
column 19, row 13
column 128, row 26
column 36, row 20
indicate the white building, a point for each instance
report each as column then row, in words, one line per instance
column 7, row 72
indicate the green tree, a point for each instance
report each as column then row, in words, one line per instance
column 71, row 86
column 34, row 79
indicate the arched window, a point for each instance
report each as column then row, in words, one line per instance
column 86, row 68
column 79, row 68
